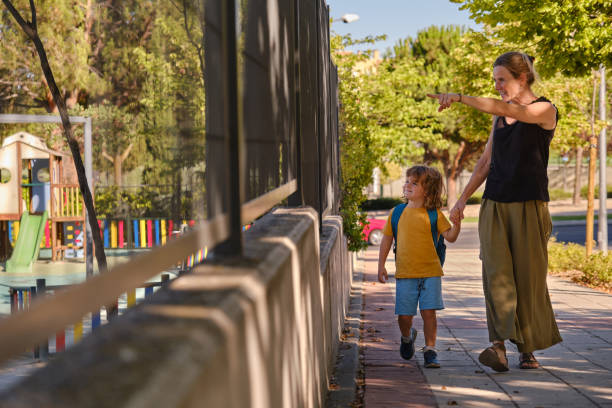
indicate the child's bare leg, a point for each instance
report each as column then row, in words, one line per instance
column 405, row 323
column 430, row 326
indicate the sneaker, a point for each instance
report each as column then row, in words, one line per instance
column 431, row 359
column 407, row 347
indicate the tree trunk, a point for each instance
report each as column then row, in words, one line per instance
column 590, row 215
column 117, row 166
column 451, row 184
column 591, row 196
column 453, row 171
column 578, row 175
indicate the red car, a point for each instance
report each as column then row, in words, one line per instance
column 374, row 231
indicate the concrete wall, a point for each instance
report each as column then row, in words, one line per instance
column 260, row 331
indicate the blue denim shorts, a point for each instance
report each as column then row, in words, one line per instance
column 426, row 292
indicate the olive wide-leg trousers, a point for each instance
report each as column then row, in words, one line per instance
column 513, row 249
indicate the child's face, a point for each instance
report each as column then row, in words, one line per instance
column 413, row 189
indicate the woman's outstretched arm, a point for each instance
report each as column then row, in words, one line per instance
column 543, row 114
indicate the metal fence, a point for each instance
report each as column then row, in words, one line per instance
column 270, row 137
column 286, row 106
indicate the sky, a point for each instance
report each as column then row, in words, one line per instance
column 396, row 18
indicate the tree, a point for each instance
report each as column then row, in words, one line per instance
column 115, row 136
column 30, row 28
column 173, row 101
column 573, row 37
column 360, row 153
column 409, row 125
column 63, row 28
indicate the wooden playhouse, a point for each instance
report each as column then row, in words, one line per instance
column 37, row 179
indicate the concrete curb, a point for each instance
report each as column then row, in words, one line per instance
column 343, row 388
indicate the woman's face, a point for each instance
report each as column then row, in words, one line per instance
column 508, row 86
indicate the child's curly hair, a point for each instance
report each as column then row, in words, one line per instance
column 431, row 180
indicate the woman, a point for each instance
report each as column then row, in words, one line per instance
column 514, row 224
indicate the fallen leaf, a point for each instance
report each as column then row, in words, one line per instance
column 378, row 309
column 452, row 402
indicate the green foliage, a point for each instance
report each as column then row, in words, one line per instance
column 584, row 191
column 360, row 152
column 383, row 203
column 62, row 26
column 571, row 36
column 559, row 194
column 565, row 257
column 409, row 124
column 476, row 198
column 148, row 201
column 596, row 269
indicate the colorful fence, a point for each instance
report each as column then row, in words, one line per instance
column 134, row 233
column 139, row 233
column 21, row 298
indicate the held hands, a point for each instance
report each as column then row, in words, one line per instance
column 445, row 99
column 456, row 213
column 382, row 274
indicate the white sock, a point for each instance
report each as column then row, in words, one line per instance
column 427, row 348
column 406, row 339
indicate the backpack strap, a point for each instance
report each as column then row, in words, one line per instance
column 395, row 216
column 433, row 221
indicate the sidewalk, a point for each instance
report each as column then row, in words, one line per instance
column 575, row 373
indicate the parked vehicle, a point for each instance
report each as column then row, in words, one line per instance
column 374, row 231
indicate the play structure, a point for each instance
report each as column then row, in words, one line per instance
column 41, row 203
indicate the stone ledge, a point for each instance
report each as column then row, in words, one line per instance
column 239, row 332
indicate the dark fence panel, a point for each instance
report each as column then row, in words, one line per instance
column 287, row 104
column 268, row 96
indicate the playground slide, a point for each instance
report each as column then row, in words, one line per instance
column 31, row 232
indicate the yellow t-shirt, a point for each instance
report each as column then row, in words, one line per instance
column 416, row 255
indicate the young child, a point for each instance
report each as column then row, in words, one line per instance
column 418, row 267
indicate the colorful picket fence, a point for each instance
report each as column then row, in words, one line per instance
column 21, row 298
column 13, row 233
column 139, row 232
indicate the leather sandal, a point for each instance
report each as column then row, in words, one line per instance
column 527, row 361
column 495, row 357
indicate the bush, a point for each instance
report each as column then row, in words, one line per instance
column 476, row 198
column 559, row 194
column 383, row 203
column 596, row 269
column 565, row 257
column 585, row 190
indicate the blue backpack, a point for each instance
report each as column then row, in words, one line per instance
column 433, row 221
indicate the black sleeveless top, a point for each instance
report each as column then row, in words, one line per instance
column 518, row 161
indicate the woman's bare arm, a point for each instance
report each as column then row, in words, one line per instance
column 543, row 114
